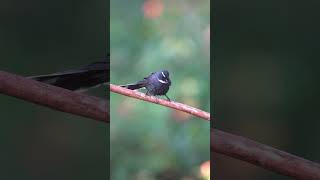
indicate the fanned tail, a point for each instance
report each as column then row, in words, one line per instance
column 89, row 76
column 134, row 86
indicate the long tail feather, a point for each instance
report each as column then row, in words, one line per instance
column 134, row 86
column 86, row 77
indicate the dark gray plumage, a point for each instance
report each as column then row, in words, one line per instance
column 91, row 75
column 157, row 83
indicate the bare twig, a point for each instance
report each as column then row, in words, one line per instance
column 54, row 97
column 175, row 105
column 264, row 156
column 221, row 142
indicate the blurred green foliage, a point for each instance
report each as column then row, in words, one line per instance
column 149, row 141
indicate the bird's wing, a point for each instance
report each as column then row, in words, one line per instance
column 149, row 75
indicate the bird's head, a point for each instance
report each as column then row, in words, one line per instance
column 163, row 77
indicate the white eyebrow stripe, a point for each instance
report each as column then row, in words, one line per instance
column 162, row 81
column 163, row 74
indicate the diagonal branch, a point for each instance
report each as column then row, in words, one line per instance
column 263, row 156
column 98, row 109
column 171, row 104
column 54, row 97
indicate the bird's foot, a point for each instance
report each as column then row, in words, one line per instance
column 167, row 98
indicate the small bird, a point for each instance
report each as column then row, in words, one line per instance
column 157, row 83
column 85, row 77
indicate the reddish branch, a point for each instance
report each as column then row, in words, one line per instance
column 221, row 142
column 171, row 104
column 239, row 147
column 54, row 97
column 263, row 156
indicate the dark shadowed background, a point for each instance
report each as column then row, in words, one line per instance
column 266, row 79
column 39, row 37
column 149, row 141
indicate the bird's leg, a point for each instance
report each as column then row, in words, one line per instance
column 147, row 93
column 167, row 97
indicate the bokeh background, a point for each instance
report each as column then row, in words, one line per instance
column 149, row 141
column 266, row 79
column 40, row 37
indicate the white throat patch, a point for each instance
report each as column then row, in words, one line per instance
column 162, row 81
